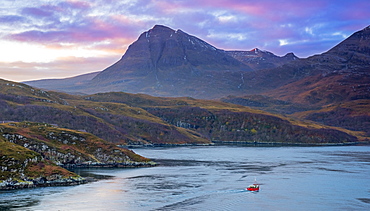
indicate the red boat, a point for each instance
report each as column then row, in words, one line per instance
column 254, row 187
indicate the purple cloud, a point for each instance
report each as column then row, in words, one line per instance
column 36, row 12
column 11, row 19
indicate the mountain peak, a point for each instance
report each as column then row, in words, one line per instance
column 290, row 55
column 166, row 59
column 161, row 28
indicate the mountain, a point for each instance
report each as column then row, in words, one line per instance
column 167, row 62
column 163, row 52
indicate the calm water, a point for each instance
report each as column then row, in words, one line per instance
column 214, row 178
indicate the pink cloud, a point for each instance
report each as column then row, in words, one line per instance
column 61, row 68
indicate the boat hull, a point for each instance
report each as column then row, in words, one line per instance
column 253, row 189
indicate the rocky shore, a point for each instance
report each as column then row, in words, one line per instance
column 11, row 184
column 60, row 180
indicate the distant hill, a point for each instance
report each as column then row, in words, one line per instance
column 69, row 85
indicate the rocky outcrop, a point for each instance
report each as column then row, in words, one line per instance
column 33, row 154
column 56, row 180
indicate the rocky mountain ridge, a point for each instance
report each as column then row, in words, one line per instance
column 259, row 59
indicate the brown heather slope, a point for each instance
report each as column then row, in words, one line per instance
column 117, row 123
column 228, row 123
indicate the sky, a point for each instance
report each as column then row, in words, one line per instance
column 64, row 38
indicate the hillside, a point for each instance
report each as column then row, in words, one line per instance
column 116, row 123
column 227, row 123
column 137, row 119
column 32, row 154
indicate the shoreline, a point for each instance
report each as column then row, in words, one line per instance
column 40, row 182
column 25, row 183
column 249, row 144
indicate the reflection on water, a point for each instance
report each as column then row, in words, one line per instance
column 215, row 178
